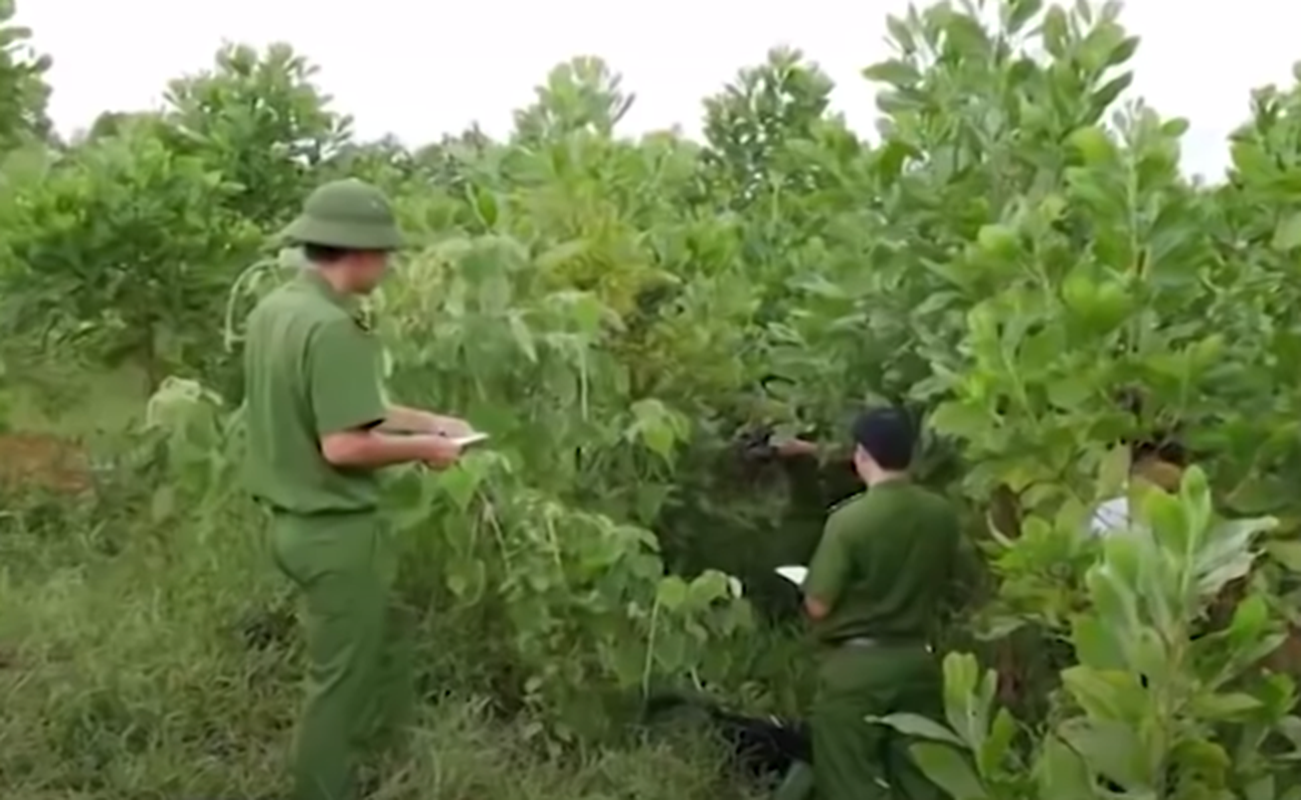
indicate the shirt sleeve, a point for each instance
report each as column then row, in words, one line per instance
column 343, row 379
column 829, row 570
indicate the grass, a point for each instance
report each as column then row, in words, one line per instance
column 141, row 661
column 146, row 659
column 72, row 401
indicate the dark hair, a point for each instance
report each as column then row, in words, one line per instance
column 888, row 436
column 1163, row 448
column 1163, row 443
column 324, row 254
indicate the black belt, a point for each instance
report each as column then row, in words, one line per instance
column 281, row 511
column 867, row 642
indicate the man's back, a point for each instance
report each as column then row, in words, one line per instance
column 888, row 556
column 307, row 360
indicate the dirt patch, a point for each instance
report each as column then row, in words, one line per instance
column 29, row 460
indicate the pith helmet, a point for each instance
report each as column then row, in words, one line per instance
column 348, row 214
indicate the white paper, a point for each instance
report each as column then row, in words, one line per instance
column 794, row 574
column 1110, row 517
column 469, row 439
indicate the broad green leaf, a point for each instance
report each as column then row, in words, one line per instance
column 672, row 592
column 959, row 419
column 557, row 256
column 1250, row 620
column 1261, row 788
column 1097, row 645
column 1287, row 236
column 998, row 240
column 1109, row 748
column 1061, row 774
column 162, row 506
column 994, row 752
column 1287, row 553
column 1105, row 96
column 947, row 768
column 708, row 587
column 919, row 727
column 655, row 427
column 894, row 71
column 1224, row 707
column 1195, row 496
column 523, row 336
column 964, row 707
column 1104, row 695
column 1019, row 12
column 1113, row 474
column 1055, row 31
column 899, row 30
column 462, row 481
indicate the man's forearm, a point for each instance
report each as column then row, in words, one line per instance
column 402, row 419
column 373, row 450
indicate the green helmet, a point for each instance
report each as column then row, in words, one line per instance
column 348, row 214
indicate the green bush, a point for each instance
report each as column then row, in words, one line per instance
column 1015, row 255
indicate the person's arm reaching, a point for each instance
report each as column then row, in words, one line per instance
column 828, row 572
column 349, row 407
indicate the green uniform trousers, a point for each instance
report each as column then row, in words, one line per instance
column 854, row 759
column 359, row 663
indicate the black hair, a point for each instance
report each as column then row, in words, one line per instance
column 1162, row 447
column 764, row 747
column 324, row 254
column 1162, row 443
column 888, row 435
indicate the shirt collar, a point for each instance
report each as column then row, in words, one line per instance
column 897, row 481
column 315, row 282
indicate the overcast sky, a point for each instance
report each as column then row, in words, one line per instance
column 399, row 66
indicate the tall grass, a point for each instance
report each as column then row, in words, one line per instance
column 159, row 659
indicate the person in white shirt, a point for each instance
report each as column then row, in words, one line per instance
column 1157, row 464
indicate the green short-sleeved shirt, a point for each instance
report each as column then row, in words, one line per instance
column 884, row 564
column 312, row 368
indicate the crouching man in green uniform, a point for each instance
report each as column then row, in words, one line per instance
column 316, row 419
column 874, row 590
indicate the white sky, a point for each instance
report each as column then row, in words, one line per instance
column 401, row 66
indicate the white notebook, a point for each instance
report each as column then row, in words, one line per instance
column 469, row 439
column 794, row 574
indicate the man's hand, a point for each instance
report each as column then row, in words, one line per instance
column 816, row 609
column 439, row 452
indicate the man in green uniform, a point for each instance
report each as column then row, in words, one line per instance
column 874, row 592
column 317, row 423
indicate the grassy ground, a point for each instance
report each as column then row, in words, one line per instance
column 143, row 662
column 143, row 659
column 72, row 401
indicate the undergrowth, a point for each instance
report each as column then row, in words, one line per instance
column 146, row 660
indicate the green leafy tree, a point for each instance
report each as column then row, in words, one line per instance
column 114, row 123
column 258, row 120
column 581, row 94
column 1149, row 709
column 23, row 90
column 125, row 245
column 751, row 123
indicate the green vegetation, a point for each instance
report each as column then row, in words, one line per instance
column 1012, row 254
